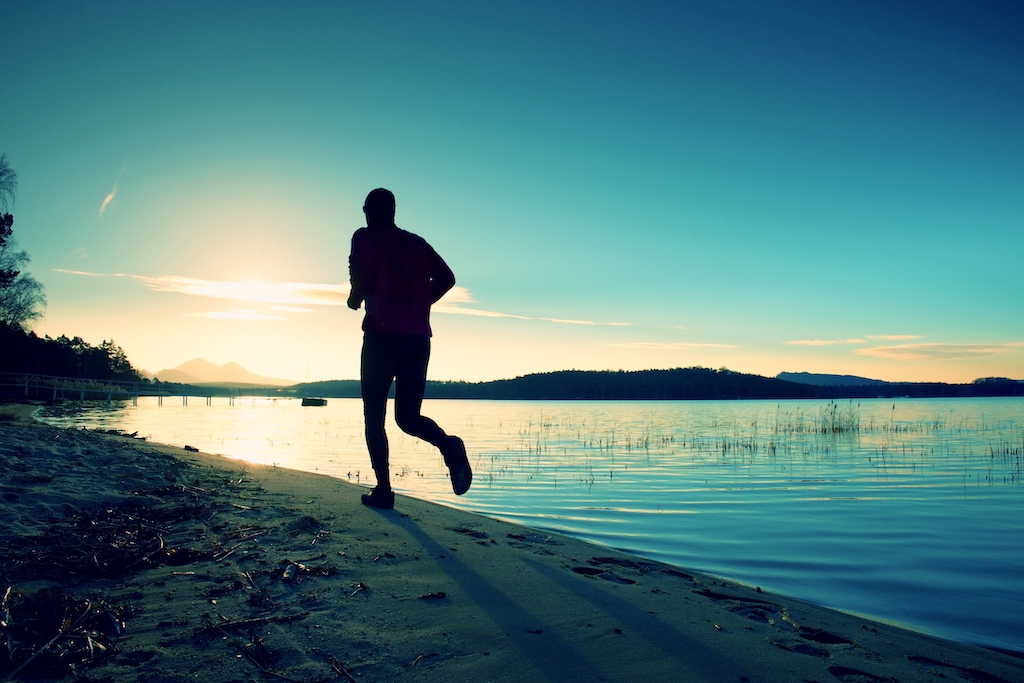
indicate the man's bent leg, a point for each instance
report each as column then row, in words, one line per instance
column 410, row 383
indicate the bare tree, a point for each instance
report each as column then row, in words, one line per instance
column 22, row 297
column 8, row 183
column 10, row 260
column 23, row 302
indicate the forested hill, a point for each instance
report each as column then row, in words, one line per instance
column 675, row 384
column 24, row 352
column 679, row 383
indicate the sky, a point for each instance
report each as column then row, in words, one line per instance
column 832, row 187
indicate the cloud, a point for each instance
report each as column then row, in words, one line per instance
column 106, row 202
column 676, row 346
column 937, row 352
column 236, row 314
column 456, row 295
column 449, row 304
column 113, row 191
column 823, row 342
column 568, row 322
column 78, row 272
column 894, row 337
column 251, row 290
column 292, row 309
column 282, row 295
column 458, row 310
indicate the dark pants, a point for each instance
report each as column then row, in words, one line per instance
column 402, row 358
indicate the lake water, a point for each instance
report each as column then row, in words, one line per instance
column 910, row 511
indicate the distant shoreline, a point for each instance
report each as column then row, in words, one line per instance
column 674, row 384
column 640, row 385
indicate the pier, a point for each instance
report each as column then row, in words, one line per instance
column 54, row 389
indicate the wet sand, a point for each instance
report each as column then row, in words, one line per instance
column 202, row 568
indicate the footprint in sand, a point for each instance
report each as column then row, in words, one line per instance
column 968, row 674
column 801, row 648
column 848, row 675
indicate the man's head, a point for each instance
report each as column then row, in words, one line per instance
column 379, row 207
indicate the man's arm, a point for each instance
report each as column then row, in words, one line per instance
column 360, row 261
column 441, row 277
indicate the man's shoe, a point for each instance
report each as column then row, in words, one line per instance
column 380, row 499
column 454, row 452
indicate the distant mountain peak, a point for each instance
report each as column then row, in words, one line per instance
column 822, row 380
column 202, row 371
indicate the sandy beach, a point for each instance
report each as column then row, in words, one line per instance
column 123, row 560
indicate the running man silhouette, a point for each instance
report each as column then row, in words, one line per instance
column 398, row 276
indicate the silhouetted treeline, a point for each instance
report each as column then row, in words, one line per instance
column 674, row 384
column 62, row 357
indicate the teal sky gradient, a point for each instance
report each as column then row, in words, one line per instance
column 726, row 178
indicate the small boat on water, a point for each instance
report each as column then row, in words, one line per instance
column 311, row 401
